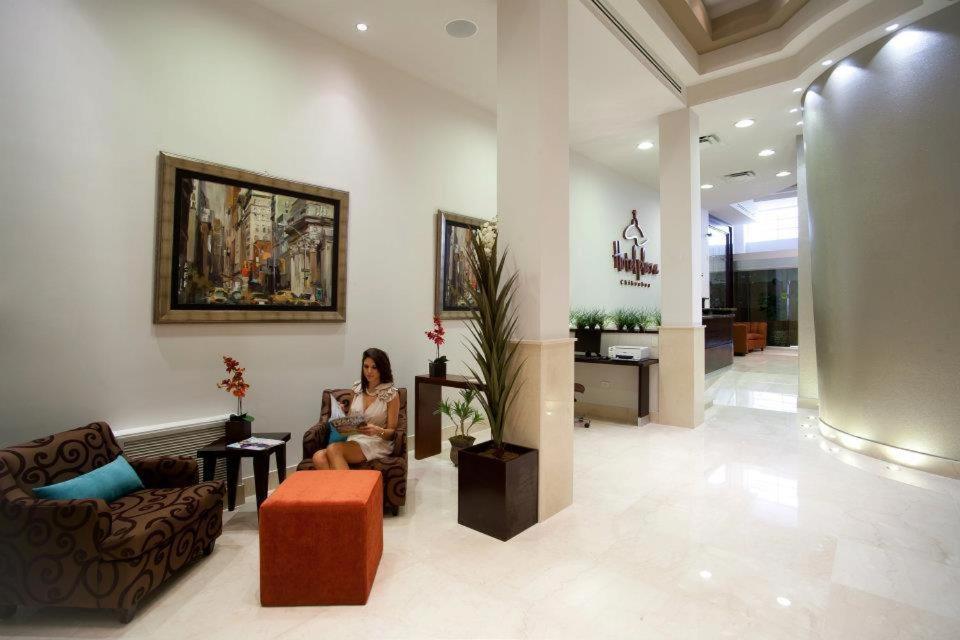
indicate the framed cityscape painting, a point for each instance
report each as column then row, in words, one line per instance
column 237, row 246
column 454, row 278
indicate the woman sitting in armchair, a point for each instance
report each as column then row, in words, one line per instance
column 377, row 400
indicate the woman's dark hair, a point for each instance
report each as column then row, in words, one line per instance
column 382, row 361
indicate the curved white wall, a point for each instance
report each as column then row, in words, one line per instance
column 883, row 166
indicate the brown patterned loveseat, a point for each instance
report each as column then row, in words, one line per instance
column 393, row 467
column 87, row 553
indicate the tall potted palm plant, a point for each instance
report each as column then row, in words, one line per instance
column 498, row 482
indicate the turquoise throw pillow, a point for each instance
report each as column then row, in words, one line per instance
column 109, row 482
column 335, row 436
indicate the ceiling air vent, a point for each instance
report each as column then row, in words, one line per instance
column 710, row 139
column 740, row 176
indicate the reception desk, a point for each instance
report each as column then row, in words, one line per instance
column 717, row 341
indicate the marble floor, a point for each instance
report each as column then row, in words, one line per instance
column 750, row 526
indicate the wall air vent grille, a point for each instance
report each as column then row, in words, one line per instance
column 740, row 176
column 629, row 36
column 710, row 140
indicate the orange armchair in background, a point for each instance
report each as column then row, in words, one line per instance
column 749, row 336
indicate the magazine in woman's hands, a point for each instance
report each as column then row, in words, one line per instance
column 348, row 425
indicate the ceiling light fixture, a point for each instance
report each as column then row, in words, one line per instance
column 645, row 145
column 706, row 575
column 706, row 186
column 361, row 26
column 743, row 124
column 766, row 153
column 892, row 27
column 795, row 109
column 798, row 90
column 783, row 602
column 461, row 28
column 799, row 123
column 783, row 174
column 826, row 63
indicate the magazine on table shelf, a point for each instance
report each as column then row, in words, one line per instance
column 255, row 444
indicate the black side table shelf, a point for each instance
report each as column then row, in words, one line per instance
column 261, row 464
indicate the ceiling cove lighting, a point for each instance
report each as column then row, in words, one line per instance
column 645, row 145
column 892, row 27
column 706, row 185
column 766, row 153
column 826, row 63
column 743, row 124
column 361, row 26
column 783, row 174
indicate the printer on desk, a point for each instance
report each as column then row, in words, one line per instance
column 621, row 352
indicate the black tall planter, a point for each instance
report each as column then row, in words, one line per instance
column 588, row 341
column 498, row 497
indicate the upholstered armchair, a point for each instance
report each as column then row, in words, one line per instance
column 88, row 553
column 749, row 336
column 393, row 467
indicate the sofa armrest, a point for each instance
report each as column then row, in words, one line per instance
column 315, row 439
column 166, row 472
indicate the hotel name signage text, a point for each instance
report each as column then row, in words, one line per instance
column 635, row 261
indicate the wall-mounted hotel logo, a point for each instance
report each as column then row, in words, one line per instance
column 634, row 261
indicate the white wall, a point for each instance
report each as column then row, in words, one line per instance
column 92, row 91
column 600, row 204
column 83, row 118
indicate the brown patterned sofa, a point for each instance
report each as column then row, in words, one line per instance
column 393, row 467
column 87, row 553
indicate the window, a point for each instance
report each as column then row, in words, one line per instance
column 775, row 220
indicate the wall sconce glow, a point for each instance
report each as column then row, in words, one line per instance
column 706, row 186
column 361, row 26
column 798, row 90
column 826, row 63
column 783, row 174
column 892, row 27
column 645, row 145
column 743, row 124
column 766, row 153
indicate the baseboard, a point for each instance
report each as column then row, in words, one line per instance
column 610, row 413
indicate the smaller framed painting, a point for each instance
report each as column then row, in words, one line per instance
column 454, row 278
column 238, row 246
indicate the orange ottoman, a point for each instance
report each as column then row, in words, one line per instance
column 321, row 538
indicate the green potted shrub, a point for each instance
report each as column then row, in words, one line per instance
column 622, row 319
column 497, row 482
column 641, row 318
column 464, row 416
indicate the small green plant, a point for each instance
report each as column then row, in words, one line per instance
column 576, row 318
column 595, row 319
column 622, row 318
column 657, row 318
column 461, row 412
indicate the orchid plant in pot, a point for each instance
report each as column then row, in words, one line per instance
column 497, row 480
column 238, row 426
column 438, row 366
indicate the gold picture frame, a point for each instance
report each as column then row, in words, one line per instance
column 239, row 246
column 452, row 276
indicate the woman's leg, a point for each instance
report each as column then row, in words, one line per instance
column 320, row 460
column 341, row 454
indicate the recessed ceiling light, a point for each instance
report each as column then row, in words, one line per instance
column 795, row 109
column 743, row 124
column 892, row 27
column 826, row 63
column 361, row 26
column 645, row 145
column 783, row 174
column 798, row 90
column 706, row 575
column 461, row 28
column 706, row 185
column 783, row 602
column 799, row 123
column 766, row 153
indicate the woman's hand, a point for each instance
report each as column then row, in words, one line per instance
column 371, row 430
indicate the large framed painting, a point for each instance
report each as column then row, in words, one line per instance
column 238, row 246
column 454, row 278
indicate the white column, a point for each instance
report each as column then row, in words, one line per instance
column 533, row 199
column 806, row 341
column 681, row 334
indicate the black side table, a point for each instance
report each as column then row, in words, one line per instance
column 261, row 464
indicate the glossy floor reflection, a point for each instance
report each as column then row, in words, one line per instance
column 747, row 527
column 759, row 380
